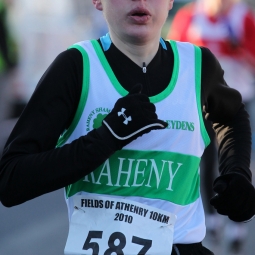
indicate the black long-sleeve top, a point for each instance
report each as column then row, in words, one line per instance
column 31, row 164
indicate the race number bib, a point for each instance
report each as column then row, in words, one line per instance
column 104, row 226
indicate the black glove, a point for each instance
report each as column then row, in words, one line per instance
column 132, row 116
column 235, row 197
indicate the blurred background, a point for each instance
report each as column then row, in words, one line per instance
column 32, row 34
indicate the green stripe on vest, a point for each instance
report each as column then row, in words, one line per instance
column 151, row 174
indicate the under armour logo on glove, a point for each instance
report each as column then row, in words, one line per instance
column 143, row 120
column 127, row 119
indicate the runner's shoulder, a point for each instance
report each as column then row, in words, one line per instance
column 210, row 64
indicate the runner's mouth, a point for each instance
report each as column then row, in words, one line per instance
column 139, row 14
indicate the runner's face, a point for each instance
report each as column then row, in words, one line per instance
column 135, row 20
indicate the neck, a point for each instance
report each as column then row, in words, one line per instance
column 138, row 52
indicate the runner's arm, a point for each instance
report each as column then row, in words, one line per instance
column 223, row 107
column 31, row 165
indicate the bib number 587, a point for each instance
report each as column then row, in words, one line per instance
column 115, row 247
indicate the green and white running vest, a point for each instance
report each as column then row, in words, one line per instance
column 161, row 168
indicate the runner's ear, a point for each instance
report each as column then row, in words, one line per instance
column 171, row 3
column 98, row 4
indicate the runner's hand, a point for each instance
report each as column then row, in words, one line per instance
column 132, row 116
column 235, row 197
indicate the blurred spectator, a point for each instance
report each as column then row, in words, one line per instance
column 8, row 50
column 227, row 28
column 8, row 56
